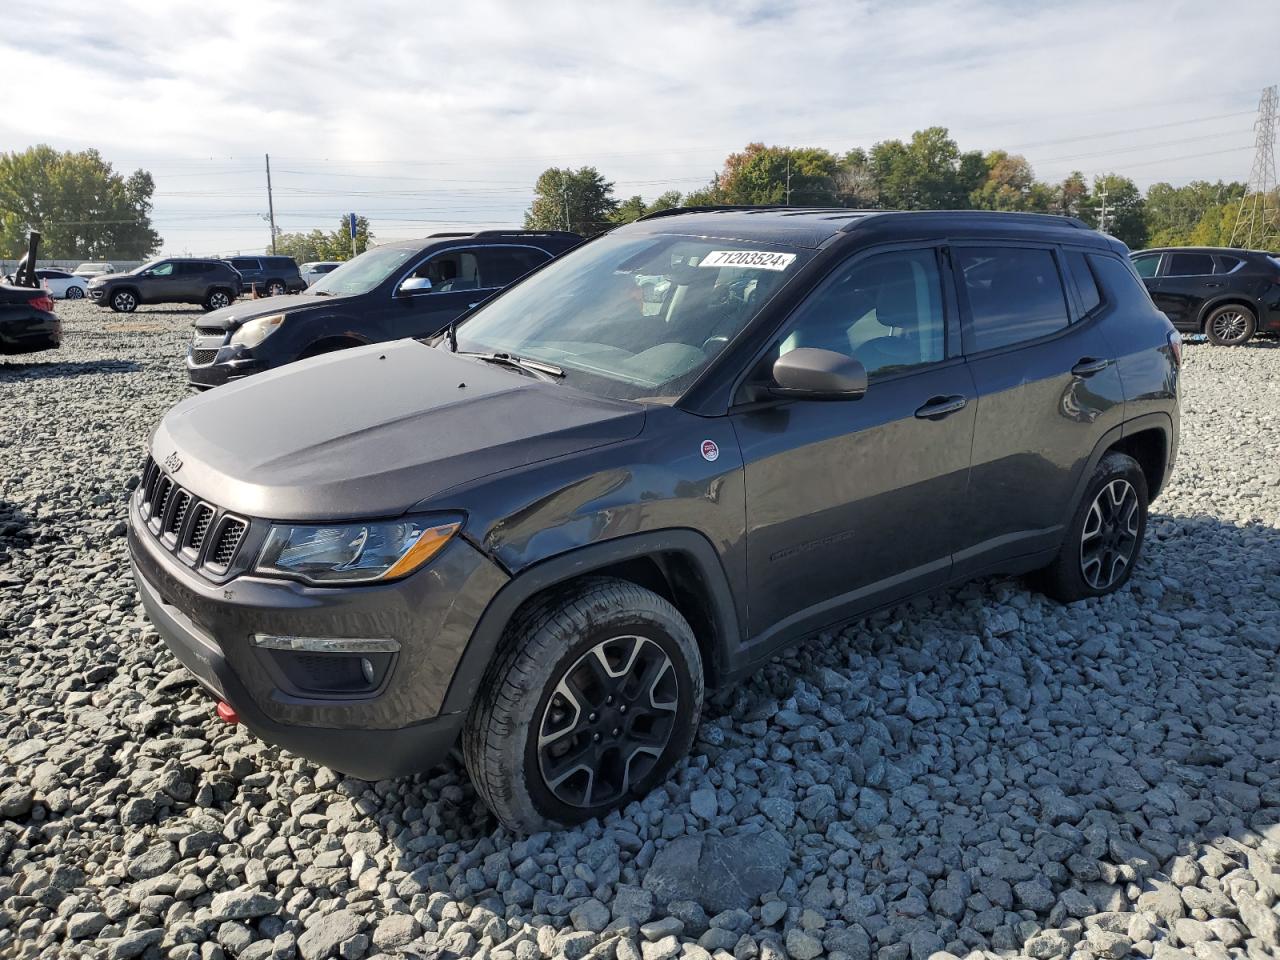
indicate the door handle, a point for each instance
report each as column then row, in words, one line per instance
column 1212, row 286
column 938, row 407
column 1088, row 366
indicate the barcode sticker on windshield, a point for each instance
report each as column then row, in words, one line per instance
column 752, row 259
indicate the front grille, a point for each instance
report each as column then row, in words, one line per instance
column 200, row 533
column 202, row 357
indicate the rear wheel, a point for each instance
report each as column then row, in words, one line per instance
column 593, row 697
column 217, row 299
column 1230, row 325
column 275, row 288
column 1104, row 538
column 124, row 301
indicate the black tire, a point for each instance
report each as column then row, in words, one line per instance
column 217, row 298
column 75, row 293
column 276, row 288
column 1104, row 539
column 124, row 301
column 551, row 647
column 1230, row 325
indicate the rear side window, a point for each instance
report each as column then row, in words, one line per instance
column 1086, row 286
column 1147, row 266
column 1015, row 294
column 1119, row 286
column 1189, row 265
column 1227, row 264
column 244, row 263
column 500, row 266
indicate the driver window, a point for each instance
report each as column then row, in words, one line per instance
column 161, row 270
column 451, row 271
column 886, row 311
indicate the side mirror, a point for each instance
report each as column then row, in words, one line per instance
column 807, row 373
column 414, row 285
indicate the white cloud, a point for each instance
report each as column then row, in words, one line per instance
column 472, row 100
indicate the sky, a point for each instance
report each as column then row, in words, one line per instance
column 428, row 116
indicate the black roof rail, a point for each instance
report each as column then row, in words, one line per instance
column 1048, row 219
column 449, row 233
column 566, row 234
column 714, row 208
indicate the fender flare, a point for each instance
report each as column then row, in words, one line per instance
column 1159, row 421
column 582, row 561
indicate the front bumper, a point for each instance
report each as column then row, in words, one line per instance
column 397, row 730
column 211, row 363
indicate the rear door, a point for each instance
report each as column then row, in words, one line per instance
column 855, row 503
column 1047, row 386
column 1185, row 282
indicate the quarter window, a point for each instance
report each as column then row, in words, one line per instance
column 1086, row 286
column 1015, row 294
column 500, row 266
column 1119, row 285
column 1189, row 265
column 1146, row 266
column 1227, row 264
column 886, row 311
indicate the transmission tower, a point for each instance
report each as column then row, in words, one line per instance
column 1258, row 221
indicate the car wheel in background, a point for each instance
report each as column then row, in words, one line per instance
column 593, row 697
column 217, row 299
column 275, row 288
column 124, row 301
column 1104, row 538
column 1230, row 325
column 75, row 293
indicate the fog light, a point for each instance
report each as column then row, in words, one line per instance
column 366, row 668
column 268, row 641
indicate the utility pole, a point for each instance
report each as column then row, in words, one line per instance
column 1256, row 225
column 1103, row 210
column 564, row 196
column 788, row 179
column 271, row 207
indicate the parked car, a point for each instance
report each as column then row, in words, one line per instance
column 409, row 289
column 93, row 269
column 580, row 514
column 63, row 284
column 27, row 320
column 269, row 276
column 311, row 272
column 211, row 283
column 1224, row 293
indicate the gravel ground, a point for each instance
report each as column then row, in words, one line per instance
column 980, row 772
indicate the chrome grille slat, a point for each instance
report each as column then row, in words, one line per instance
column 197, row 531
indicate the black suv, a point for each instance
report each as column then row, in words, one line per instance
column 1225, row 293
column 642, row 471
column 211, row 283
column 410, row 289
column 269, row 276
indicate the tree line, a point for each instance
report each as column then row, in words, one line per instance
column 927, row 172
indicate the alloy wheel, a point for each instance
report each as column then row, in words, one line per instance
column 1230, row 326
column 1110, row 535
column 608, row 721
column 218, row 299
column 125, row 301
column 275, row 290
column 75, row 293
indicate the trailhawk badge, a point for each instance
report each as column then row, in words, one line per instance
column 709, row 450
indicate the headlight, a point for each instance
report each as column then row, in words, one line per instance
column 354, row 552
column 253, row 332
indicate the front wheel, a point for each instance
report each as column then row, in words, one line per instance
column 75, row 293
column 1230, row 326
column 217, row 299
column 124, row 301
column 592, row 698
column 1104, row 538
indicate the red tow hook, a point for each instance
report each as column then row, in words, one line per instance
column 227, row 713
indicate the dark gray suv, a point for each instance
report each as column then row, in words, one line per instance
column 211, row 283
column 639, row 473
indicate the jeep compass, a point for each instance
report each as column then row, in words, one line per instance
column 639, row 473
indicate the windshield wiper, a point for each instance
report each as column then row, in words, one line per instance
column 522, row 363
column 321, row 293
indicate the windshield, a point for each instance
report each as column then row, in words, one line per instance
column 364, row 272
column 634, row 317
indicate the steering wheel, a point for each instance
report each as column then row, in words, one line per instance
column 713, row 345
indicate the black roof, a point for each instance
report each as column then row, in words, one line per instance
column 560, row 237
column 817, row 226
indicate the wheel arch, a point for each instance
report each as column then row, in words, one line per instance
column 1228, row 299
column 679, row 565
column 1140, row 438
column 332, row 342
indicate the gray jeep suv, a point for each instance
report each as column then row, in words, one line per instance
column 639, row 473
column 211, row 283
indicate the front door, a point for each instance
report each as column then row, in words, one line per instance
column 854, row 503
column 1048, row 389
column 161, row 283
column 456, row 285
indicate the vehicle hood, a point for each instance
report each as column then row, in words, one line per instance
column 229, row 318
column 371, row 431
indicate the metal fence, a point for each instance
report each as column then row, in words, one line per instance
column 8, row 266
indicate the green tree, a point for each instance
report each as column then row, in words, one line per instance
column 1125, row 217
column 81, row 206
column 322, row 245
column 1010, row 184
column 633, row 208
column 578, row 200
column 802, row 177
column 1173, row 213
column 855, row 181
column 927, row 173
column 1070, row 196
